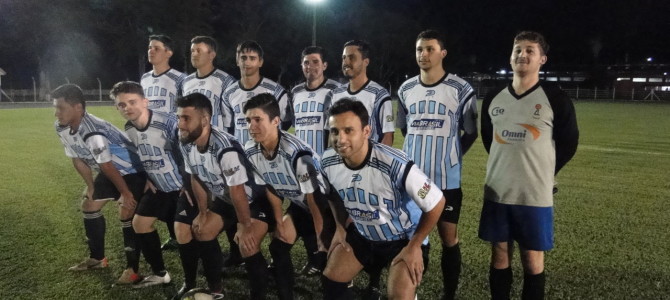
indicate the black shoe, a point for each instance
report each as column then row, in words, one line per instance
column 372, row 293
column 232, row 261
column 169, row 245
column 182, row 291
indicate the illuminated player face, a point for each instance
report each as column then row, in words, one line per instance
column 261, row 128
column 313, row 67
column 349, row 137
column 527, row 58
column 67, row 113
column 353, row 63
column 191, row 124
column 131, row 106
column 157, row 53
column 202, row 55
column 429, row 54
column 249, row 63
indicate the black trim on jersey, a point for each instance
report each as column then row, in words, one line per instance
column 90, row 134
column 434, row 84
column 239, row 83
column 526, row 93
column 565, row 130
column 405, row 173
column 365, row 161
column 161, row 74
column 298, row 156
column 486, row 126
column 129, row 123
column 206, row 145
column 362, row 88
column 276, row 151
column 325, row 79
column 203, row 77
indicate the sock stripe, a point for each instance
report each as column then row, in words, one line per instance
column 92, row 215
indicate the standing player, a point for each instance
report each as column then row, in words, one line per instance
column 207, row 79
column 530, row 131
column 93, row 143
column 154, row 134
column 162, row 85
column 293, row 171
column 438, row 112
column 387, row 205
column 308, row 99
column 218, row 166
column 375, row 98
column 251, row 83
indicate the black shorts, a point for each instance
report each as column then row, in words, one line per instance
column 260, row 210
column 373, row 254
column 104, row 189
column 159, row 205
column 302, row 220
column 452, row 208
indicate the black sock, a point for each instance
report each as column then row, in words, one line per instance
column 425, row 254
column 281, row 257
column 320, row 259
column 131, row 247
column 333, row 290
column 234, row 251
column 311, row 247
column 95, row 226
column 500, row 281
column 258, row 276
column 189, row 261
column 151, row 248
column 212, row 262
column 451, row 269
column 533, row 287
column 170, row 227
column 375, row 275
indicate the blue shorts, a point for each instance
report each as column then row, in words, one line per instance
column 532, row 227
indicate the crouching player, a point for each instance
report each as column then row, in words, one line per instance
column 218, row 167
column 293, row 171
column 386, row 209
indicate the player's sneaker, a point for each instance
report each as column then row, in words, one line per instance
column 185, row 288
column 90, row 264
column 309, row 270
column 153, row 280
column 129, row 277
column 170, row 244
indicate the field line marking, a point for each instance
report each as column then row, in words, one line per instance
column 620, row 150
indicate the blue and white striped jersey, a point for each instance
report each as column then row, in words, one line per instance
column 378, row 102
column 310, row 109
column 293, row 171
column 386, row 195
column 212, row 86
column 96, row 141
column 163, row 90
column 221, row 166
column 434, row 116
column 236, row 96
column 158, row 148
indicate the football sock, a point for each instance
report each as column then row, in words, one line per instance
column 333, row 290
column 533, row 287
column 258, row 276
column 281, row 257
column 189, row 261
column 320, row 260
column 212, row 262
column 425, row 254
column 94, row 225
column 451, row 269
column 151, row 248
column 311, row 247
column 234, row 247
column 131, row 247
column 500, row 281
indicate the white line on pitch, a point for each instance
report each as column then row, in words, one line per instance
column 620, row 150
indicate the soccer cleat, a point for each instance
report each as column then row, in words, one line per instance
column 309, row 270
column 185, row 288
column 90, row 264
column 129, row 277
column 153, row 280
column 170, row 244
column 372, row 293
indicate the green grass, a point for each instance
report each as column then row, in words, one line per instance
column 612, row 220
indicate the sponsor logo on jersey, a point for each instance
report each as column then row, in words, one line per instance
column 427, row 124
column 156, row 103
column 98, row 151
column 273, row 165
column 311, row 95
column 231, row 171
column 423, row 191
column 536, row 114
column 389, row 118
column 497, row 111
column 153, row 165
column 356, row 177
column 242, row 122
column 303, row 177
column 201, row 82
column 430, row 93
column 143, row 136
column 363, row 215
column 155, row 81
column 250, row 94
column 306, row 121
column 510, row 136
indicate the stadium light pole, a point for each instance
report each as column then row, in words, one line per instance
column 314, row 3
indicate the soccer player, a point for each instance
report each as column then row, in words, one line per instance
column 154, row 134
column 375, row 98
column 530, row 130
column 308, row 99
column 293, row 171
column 438, row 113
column 162, row 85
column 95, row 144
column 207, row 79
column 387, row 205
column 218, row 167
column 250, row 60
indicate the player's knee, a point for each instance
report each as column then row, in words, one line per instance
column 533, row 263
column 183, row 232
column 142, row 224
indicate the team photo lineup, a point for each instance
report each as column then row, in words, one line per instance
column 207, row 154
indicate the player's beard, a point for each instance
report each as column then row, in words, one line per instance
column 191, row 137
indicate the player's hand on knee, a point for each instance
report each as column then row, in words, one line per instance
column 127, row 201
column 149, row 187
column 411, row 257
column 339, row 240
column 199, row 222
column 244, row 237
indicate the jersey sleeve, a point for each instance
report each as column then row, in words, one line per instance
column 98, row 144
column 232, row 167
column 187, row 164
column 307, row 175
column 565, row 131
column 227, row 114
column 486, row 127
column 468, row 119
column 421, row 189
column 285, row 110
column 386, row 116
column 327, row 103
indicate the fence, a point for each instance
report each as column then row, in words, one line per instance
column 34, row 96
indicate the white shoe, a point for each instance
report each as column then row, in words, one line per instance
column 153, row 280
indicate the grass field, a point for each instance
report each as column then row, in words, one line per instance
column 612, row 217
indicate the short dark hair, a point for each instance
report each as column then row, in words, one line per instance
column 431, row 34
column 363, row 47
column 196, row 100
column 207, row 40
column 166, row 40
column 250, row 45
column 534, row 37
column 126, row 87
column 314, row 50
column 71, row 93
column 266, row 102
column 348, row 104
